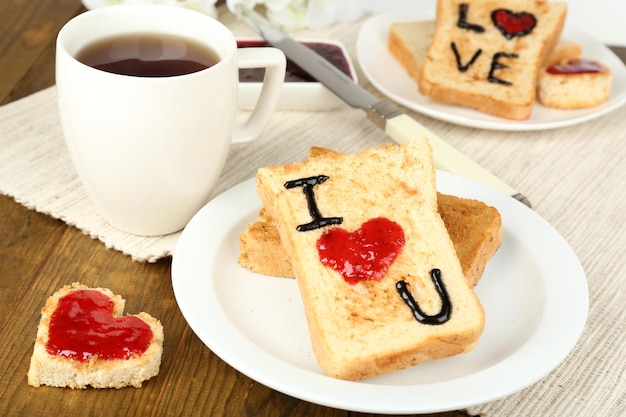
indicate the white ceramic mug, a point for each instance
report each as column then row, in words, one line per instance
column 149, row 150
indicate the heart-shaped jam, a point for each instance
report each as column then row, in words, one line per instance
column 83, row 326
column 576, row 66
column 364, row 254
column 513, row 24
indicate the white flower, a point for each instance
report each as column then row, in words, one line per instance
column 294, row 14
column 324, row 12
column 203, row 6
column 247, row 4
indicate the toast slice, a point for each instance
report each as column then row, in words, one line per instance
column 63, row 357
column 486, row 54
column 408, row 42
column 381, row 285
column 475, row 229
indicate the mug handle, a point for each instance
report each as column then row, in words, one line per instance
column 274, row 62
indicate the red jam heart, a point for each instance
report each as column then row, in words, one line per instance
column 576, row 66
column 83, row 326
column 513, row 24
column 365, row 254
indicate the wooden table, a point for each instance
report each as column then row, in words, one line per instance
column 40, row 254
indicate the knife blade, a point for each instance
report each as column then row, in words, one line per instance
column 387, row 116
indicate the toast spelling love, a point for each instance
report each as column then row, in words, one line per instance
column 510, row 24
column 366, row 253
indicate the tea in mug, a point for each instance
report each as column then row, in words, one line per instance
column 148, row 55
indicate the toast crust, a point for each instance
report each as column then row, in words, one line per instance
column 475, row 230
column 58, row 371
column 260, row 248
column 408, row 43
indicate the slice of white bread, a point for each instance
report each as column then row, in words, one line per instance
column 475, row 229
column 491, row 63
column 574, row 84
column 408, row 42
column 58, row 366
column 363, row 329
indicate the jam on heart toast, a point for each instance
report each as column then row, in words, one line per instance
column 378, row 275
column 83, row 339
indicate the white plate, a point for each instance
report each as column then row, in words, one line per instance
column 388, row 76
column 534, row 292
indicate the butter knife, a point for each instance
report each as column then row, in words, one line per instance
column 390, row 118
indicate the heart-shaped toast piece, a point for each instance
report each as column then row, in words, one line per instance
column 574, row 84
column 83, row 339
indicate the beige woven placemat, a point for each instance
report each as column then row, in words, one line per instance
column 36, row 170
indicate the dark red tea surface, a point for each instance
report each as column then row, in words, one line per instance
column 148, row 55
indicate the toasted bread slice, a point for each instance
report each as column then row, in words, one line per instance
column 408, row 42
column 62, row 365
column 486, row 54
column 406, row 300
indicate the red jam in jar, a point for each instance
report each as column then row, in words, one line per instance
column 294, row 73
column 83, row 326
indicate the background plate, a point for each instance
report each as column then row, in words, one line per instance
column 388, row 76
